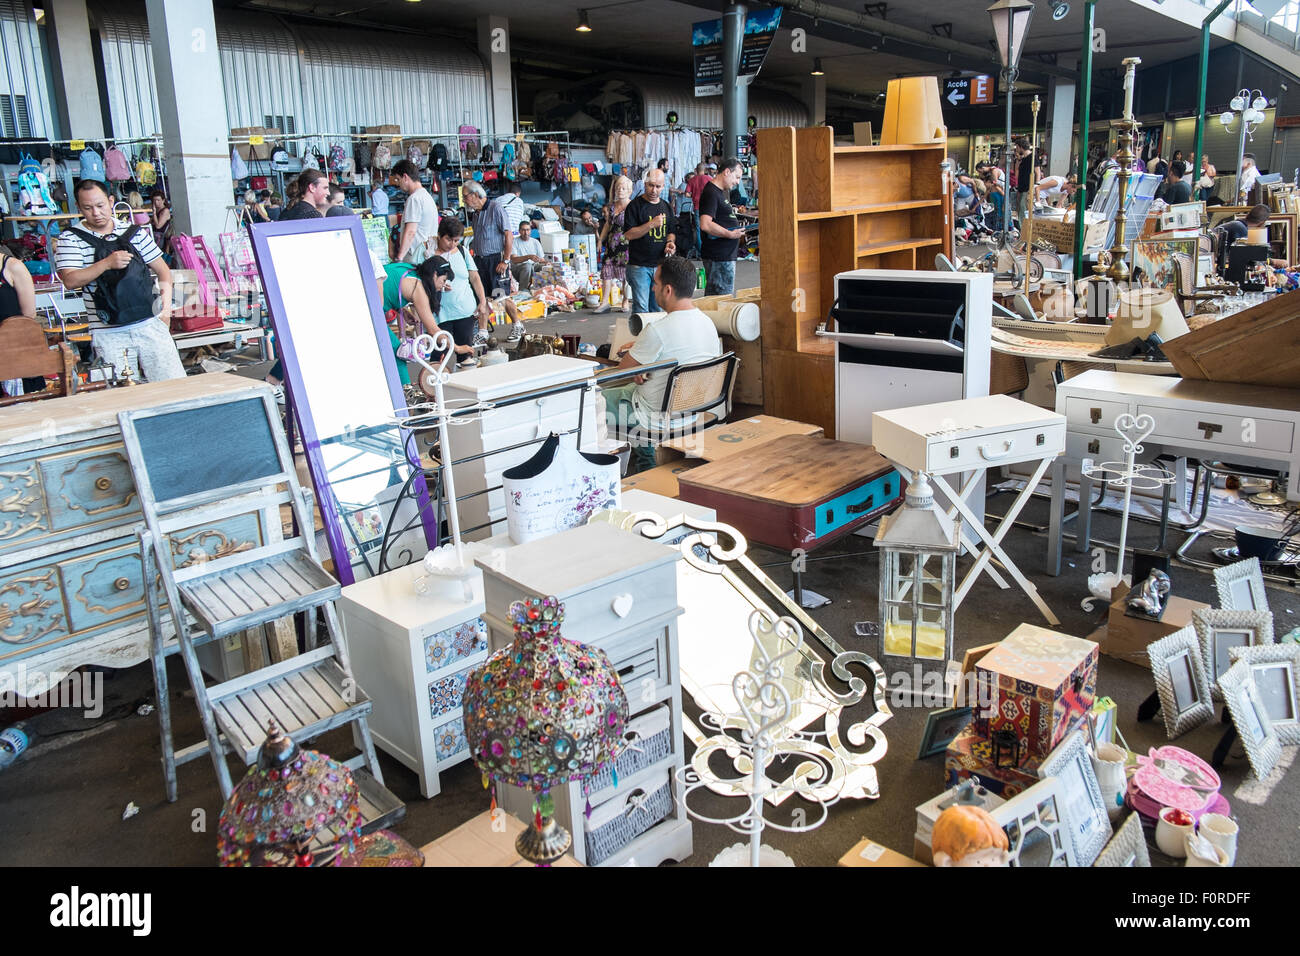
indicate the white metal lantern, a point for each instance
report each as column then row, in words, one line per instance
column 918, row 566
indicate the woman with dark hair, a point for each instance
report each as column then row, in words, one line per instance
column 160, row 221
column 416, row 291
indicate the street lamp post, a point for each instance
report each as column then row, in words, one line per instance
column 1010, row 27
column 1250, row 104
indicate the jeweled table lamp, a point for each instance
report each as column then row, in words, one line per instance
column 284, row 800
column 541, row 713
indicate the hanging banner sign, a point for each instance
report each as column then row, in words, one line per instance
column 706, row 41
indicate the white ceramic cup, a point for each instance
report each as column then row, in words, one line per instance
column 1222, row 832
column 1171, row 838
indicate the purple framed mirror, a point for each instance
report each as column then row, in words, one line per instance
column 341, row 375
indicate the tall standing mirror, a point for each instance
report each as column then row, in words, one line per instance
column 341, row 376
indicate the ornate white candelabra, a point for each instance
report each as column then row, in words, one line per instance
column 1128, row 474
column 765, row 705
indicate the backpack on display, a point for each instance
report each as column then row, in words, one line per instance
column 122, row 296
column 309, row 161
column 438, row 157
column 487, row 154
column 116, row 166
column 468, row 142
column 383, row 156
column 92, row 166
column 34, row 189
column 508, row 162
column 416, row 157
column 337, row 158
column 145, row 174
column 363, row 153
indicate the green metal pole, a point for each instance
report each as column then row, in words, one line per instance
column 1085, row 111
column 1204, row 76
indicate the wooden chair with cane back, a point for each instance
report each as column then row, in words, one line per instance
column 1186, row 291
column 26, row 353
column 208, row 459
column 692, row 396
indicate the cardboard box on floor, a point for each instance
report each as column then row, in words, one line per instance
column 661, row 480
column 869, row 853
column 722, row 441
column 1127, row 638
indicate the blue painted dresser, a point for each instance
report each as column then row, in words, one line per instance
column 71, row 588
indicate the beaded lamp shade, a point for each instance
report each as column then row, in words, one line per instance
column 544, row 711
column 284, row 801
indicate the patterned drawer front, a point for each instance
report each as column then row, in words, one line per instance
column 449, row 740
column 32, row 613
column 90, row 589
column 454, row 644
column 40, row 497
column 446, row 695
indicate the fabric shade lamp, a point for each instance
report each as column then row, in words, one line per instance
column 913, row 112
column 284, row 800
column 543, row 712
column 1144, row 311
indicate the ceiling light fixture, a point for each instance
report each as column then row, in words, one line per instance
column 583, row 25
column 817, row 67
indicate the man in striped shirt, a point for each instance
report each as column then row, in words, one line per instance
column 145, row 344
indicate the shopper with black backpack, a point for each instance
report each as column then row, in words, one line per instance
column 114, row 264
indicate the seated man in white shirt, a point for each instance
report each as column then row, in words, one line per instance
column 684, row 335
column 525, row 256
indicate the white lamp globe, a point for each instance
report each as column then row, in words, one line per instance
column 1259, row 103
column 1238, row 103
column 1226, row 119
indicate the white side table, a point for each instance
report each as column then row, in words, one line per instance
column 970, row 436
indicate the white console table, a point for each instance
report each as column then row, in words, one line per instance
column 1250, row 424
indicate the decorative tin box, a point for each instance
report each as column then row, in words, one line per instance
column 1040, row 684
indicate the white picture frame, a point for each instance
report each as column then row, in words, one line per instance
column 1083, row 806
column 1182, row 683
column 1127, row 848
column 1220, row 630
column 1036, row 828
column 1240, row 586
column 1259, row 738
column 1276, row 669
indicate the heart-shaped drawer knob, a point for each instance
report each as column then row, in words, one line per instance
column 622, row 605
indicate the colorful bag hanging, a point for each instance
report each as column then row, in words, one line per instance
column 116, row 166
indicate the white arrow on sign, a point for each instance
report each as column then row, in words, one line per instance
column 955, row 96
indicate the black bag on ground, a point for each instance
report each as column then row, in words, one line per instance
column 122, row 296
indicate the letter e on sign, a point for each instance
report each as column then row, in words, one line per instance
column 981, row 90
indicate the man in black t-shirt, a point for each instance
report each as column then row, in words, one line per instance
column 1177, row 191
column 720, row 234
column 645, row 226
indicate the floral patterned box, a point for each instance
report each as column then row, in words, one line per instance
column 1039, row 683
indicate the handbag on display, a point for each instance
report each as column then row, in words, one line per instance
column 557, row 489
column 383, row 156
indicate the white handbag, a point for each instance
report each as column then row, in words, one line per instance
column 557, row 489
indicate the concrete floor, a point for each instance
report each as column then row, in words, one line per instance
column 64, row 800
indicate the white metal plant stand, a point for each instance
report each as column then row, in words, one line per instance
column 452, row 562
column 1128, row 474
column 765, row 704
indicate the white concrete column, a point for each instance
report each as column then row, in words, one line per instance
column 1060, row 111
column 494, row 47
column 76, row 94
column 192, row 103
column 813, row 89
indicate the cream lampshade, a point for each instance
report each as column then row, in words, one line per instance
column 913, row 112
column 1144, row 311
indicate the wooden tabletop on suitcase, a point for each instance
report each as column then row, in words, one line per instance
column 796, row 470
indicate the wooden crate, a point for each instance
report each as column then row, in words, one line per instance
column 1256, row 346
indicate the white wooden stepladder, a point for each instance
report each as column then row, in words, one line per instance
column 971, row 436
column 243, row 465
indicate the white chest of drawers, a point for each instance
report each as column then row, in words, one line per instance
column 619, row 592
column 412, row 653
column 1249, row 424
column 496, row 432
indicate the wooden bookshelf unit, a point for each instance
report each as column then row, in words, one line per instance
column 829, row 209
